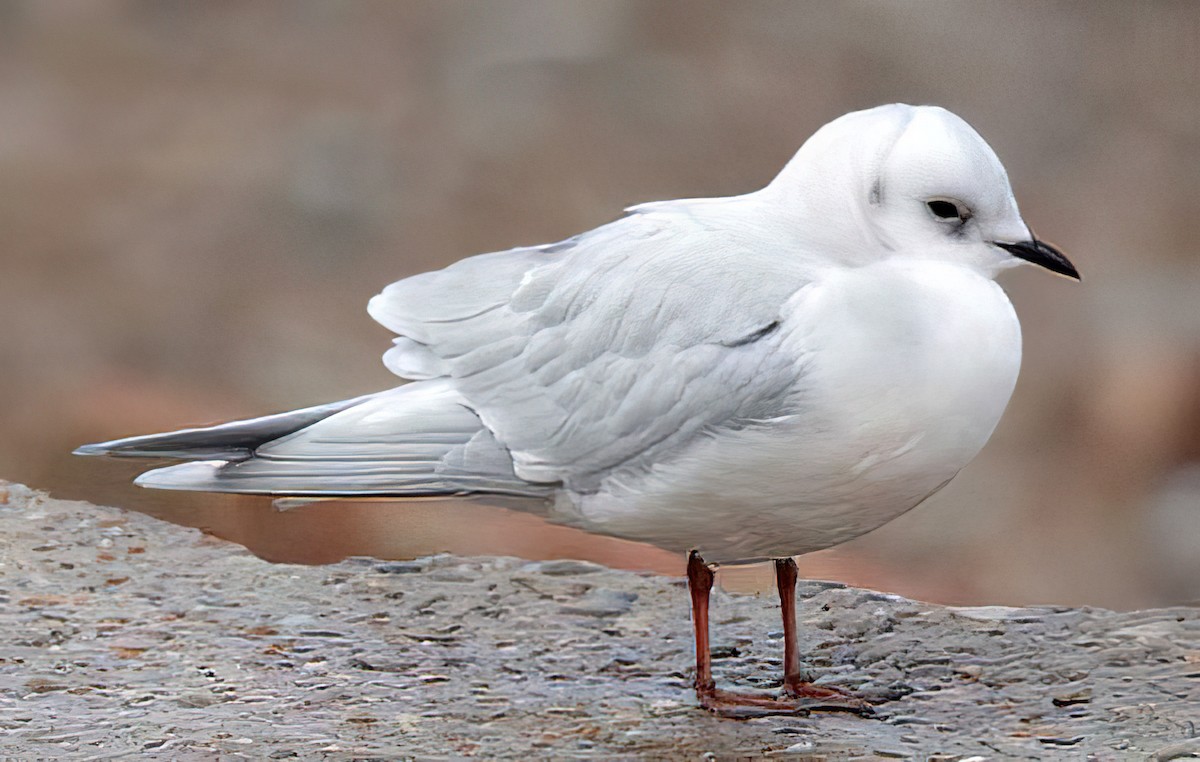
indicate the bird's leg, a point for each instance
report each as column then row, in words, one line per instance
column 700, row 582
column 785, row 582
column 799, row 697
column 797, row 682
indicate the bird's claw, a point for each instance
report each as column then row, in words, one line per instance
column 797, row 699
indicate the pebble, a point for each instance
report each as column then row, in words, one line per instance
column 602, row 603
column 564, row 568
column 400, row 567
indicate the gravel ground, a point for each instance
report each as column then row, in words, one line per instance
column 124, row 636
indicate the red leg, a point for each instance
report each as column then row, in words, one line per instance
column 785, row 582
column 797, row 682
column 799, row 697
column 700, row 582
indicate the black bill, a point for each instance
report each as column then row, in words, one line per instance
column 1043, row 254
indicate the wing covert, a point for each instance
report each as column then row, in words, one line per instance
column 606, row 350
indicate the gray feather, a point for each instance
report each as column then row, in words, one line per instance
column 577, row 356
column 226, row 441
column 413, row 441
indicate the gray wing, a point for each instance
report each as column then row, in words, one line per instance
column 608, row 350
column 413, row 441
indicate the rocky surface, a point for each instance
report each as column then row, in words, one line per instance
column 123, row 636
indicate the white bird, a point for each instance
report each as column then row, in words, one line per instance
column 740, row 379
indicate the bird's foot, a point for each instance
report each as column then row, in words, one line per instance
column 796, row 699
column 827, row 698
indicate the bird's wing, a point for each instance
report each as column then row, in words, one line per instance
column 417, row 440
column 609, row 349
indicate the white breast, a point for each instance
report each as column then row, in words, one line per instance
column 903, row 371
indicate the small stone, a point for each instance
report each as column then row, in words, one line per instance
column 400, row 567
column 1069, row 698
column 564, row 568
column 42, row 685
column 602, row 603
column 197, row 700
column 1187, row 748
column 1057, row 741
column 452, row 575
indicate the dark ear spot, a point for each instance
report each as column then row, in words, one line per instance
column 876, row 196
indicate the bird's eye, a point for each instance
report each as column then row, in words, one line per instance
column 948, row 210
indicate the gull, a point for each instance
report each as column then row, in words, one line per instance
column 738, row 379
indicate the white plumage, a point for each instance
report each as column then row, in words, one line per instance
column 751, row 377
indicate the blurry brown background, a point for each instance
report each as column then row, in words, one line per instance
column 197, row 200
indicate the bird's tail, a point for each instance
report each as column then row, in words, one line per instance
column 417, row 440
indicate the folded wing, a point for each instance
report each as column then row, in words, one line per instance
column 417, row 440
column 532, row 369
column 609, row 349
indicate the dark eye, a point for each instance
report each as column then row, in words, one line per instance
column 948, row 210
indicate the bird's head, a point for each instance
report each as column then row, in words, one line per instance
column 913, row 181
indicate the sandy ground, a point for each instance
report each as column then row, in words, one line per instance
column 124, row 636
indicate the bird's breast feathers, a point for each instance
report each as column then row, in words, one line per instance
column 904, row 373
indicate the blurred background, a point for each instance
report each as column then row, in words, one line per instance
column 197, row 200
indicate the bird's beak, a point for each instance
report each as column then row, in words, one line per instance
column 1043, row 254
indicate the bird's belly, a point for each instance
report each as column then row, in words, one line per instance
column 901, row 383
